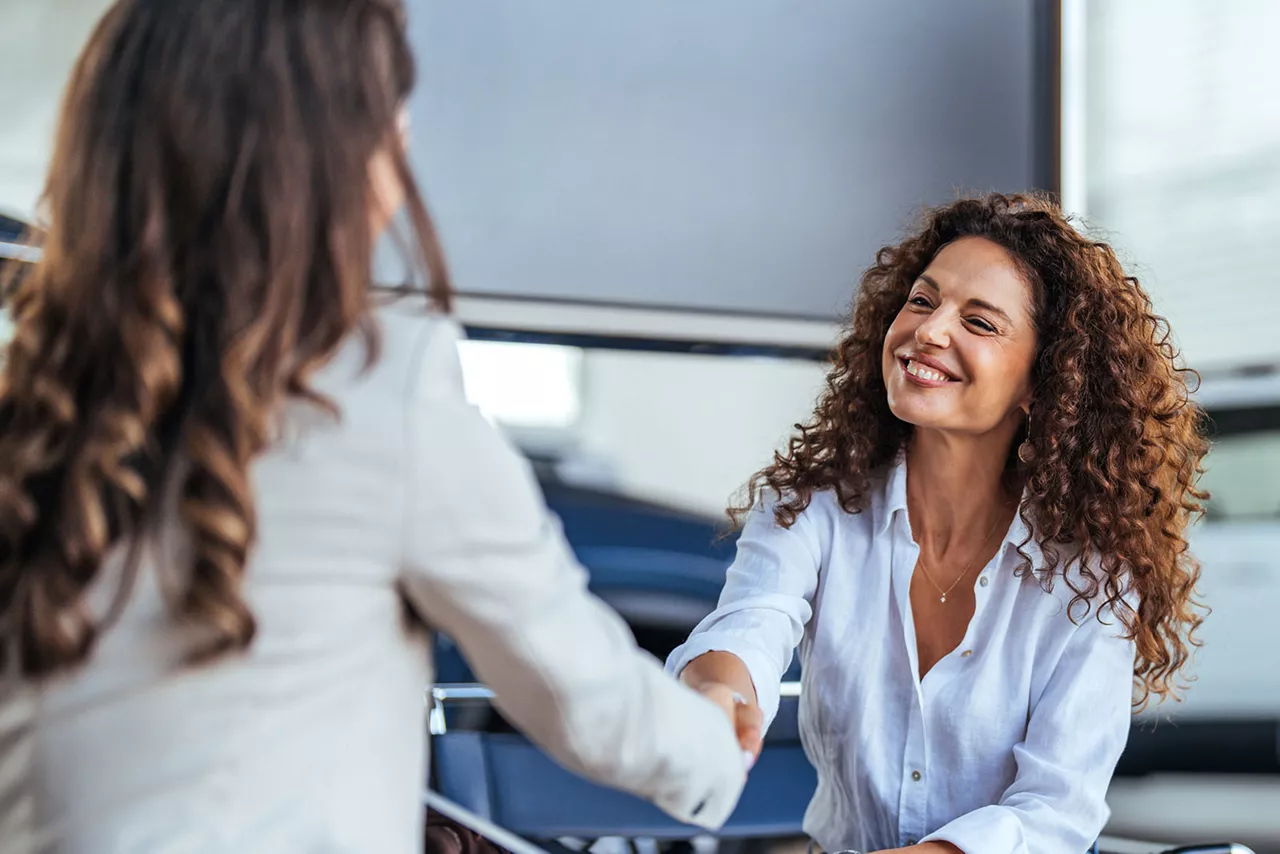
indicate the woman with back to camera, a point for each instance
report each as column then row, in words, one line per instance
column 977, row 542
column 234, row 490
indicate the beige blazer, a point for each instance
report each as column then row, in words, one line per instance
column 314, row 740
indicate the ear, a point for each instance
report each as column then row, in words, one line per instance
column 1028, row 395
column 1024, row 406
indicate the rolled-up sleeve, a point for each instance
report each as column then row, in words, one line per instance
column 765, row 604
column 488, row 564
column 1075, row 735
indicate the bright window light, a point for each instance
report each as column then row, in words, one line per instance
column 523, row 385
column 518, row 385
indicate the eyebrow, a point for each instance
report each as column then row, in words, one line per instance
column 980, row 303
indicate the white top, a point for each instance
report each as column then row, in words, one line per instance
column 314, row 740
column 1005, row 747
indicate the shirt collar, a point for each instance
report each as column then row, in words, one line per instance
column 894, row 499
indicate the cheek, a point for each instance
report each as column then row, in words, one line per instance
column 899, row 330
column 892, row 341
column 1005, row 375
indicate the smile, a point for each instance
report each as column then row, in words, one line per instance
column 924, row 374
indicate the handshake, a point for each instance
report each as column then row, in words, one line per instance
column 744, row 715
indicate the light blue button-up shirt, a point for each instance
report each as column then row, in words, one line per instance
column 1005, row 747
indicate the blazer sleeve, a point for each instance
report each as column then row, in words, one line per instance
column 487, row 563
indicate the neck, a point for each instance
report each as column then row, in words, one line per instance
column 956, row 490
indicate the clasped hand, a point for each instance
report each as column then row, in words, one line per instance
column 745, row 717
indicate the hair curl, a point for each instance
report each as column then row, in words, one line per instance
column 1118, row 444
column 209, row 247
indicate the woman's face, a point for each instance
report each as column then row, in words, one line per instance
column 958, row 356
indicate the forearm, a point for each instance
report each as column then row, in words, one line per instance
column 723, row 668
column 567, row 673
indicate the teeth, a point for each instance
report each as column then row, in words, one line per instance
column 918, row 370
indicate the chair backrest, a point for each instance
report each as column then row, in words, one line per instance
column 504, row 778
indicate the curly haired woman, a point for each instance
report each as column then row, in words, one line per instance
column 977, row 542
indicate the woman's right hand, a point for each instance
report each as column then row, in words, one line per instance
column 745, row 717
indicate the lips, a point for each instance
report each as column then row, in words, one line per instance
column 926, row 370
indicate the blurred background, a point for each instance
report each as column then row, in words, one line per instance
column 657, row 214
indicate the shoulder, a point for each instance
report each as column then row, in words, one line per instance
column 820, row 524
column 448, row 439
column 886, row 493
column 420, row 347
column 416, row 349
column 1081, row 585
column 822, row 509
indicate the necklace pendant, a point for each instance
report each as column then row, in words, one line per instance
column 943, row 599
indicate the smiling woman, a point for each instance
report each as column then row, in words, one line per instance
column 966, row 328
column 966, row 691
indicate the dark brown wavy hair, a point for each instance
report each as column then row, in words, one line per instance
column 1117, row 442
column 209, row 246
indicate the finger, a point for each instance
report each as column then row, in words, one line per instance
column 751, row 714
column 749, row 724
column 751, row 739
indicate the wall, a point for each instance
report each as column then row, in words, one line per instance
column 41, row 41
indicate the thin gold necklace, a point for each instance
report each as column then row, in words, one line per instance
column 981, row 551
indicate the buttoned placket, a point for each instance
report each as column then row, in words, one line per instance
column 913, row 799
column 913, row 802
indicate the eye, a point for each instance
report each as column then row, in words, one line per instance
column 979, row 323
column 920, row 300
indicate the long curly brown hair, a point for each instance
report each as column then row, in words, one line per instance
column 1118, row 444
column 209, row 246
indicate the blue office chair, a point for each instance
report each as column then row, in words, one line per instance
column 504, row 779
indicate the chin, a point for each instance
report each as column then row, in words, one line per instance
column 918, row 416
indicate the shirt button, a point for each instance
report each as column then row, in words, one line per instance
column 983, row 581
column 966, row 653
column 915, row 775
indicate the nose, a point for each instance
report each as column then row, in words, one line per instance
column 934, row 330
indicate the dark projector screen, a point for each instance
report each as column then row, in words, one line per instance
column 741, row 157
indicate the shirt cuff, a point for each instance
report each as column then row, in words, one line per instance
column 708, row 797
column 988, row 830
column 765, row 676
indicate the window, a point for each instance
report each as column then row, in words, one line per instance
column 523, row 385
column 1242, row 471
column 1179, row 161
